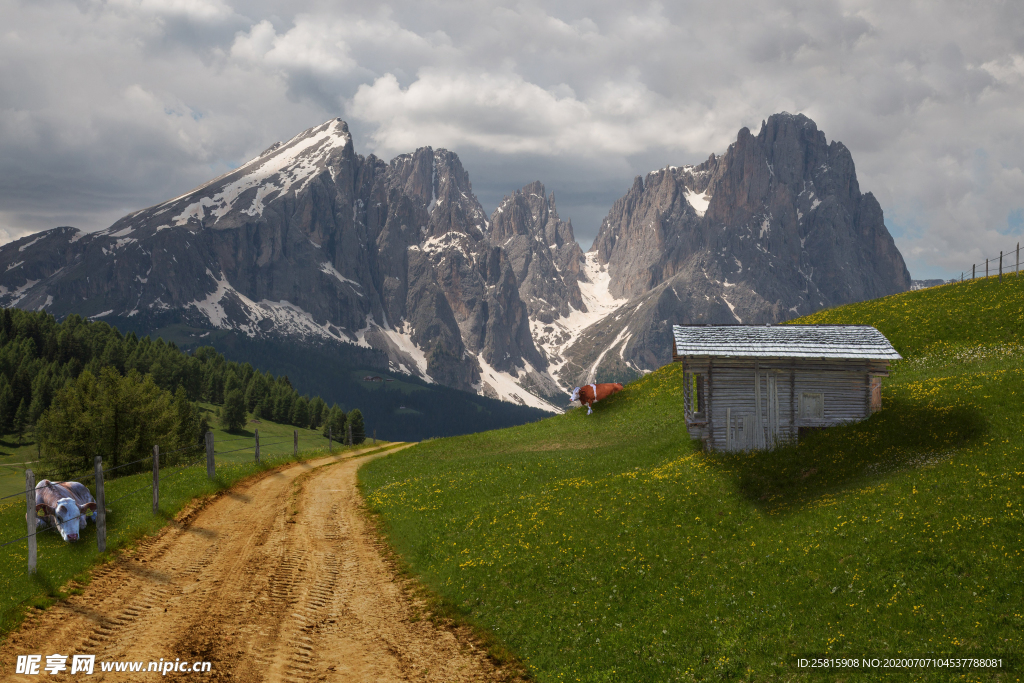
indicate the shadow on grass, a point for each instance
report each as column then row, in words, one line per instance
column 902, row 436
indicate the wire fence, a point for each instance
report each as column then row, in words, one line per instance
column 997, row 266
column 166, row 467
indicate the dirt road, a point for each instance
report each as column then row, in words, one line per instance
column 277, row 579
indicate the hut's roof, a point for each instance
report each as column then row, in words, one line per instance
column 783, row 341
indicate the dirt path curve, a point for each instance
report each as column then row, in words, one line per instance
column 278, row 579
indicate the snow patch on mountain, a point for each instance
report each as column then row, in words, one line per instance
column 732, row 309
column 20, row 293
column 600, row 303
column 699, row 202
column 503, row 386
column 29, row 244
column 211, row 306
column 281, row 316
column 404, row 343
column 621, row 338
column 328, row 268
column 293, row 165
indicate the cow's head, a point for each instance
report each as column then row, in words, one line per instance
column 575, row 395
column 67, row 516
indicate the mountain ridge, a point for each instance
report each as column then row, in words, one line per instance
column 309, row 240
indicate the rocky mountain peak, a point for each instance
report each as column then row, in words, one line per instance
column 543, row 252
column 775, row 228
column 308, row 240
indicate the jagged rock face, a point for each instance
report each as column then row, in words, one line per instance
column 774, row 229
column 650, row 230
column 545, row 257
column 312, row 240
column 307, row 240
column 258, row 239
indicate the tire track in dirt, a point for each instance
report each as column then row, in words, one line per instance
column 277, row 579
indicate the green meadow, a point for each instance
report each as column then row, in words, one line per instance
column 131, row 517
column 610, row 548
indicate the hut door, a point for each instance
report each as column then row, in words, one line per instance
column 747, row 439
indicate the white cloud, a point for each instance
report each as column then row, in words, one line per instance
column 310, row 45
column 194, row 10
column 109, row 106
column 505, row 114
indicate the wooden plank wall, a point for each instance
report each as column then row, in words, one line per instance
column 846, row 387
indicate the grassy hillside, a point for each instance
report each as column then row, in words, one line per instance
column 608, row 547
column 275, row 440
column 976, row 312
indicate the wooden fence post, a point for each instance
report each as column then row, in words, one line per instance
column 257, row 444
column 156, row 478
column 330, row 440
column 30, row 512
column 1018, row 259
column 210, row 467
column 986, row 267
column 1000, row 266
column 101, row 508
column 973, row 270
column 349, row 426
column 295, row 444
column 374, row 437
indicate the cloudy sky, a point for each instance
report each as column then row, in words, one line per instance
column 108, row 107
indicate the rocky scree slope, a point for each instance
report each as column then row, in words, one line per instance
column 309, row 240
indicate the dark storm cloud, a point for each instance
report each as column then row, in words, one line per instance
column 106, row 107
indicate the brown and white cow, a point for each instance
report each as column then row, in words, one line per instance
column 65, row 505
column 589, row 394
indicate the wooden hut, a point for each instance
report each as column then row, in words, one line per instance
column 752, row 386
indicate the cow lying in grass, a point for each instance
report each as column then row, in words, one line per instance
column 589, row 394
column 65, row 505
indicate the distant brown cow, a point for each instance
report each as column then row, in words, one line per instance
column 589, row 394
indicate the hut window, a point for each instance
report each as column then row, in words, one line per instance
column 697, row 389
column 812, row 406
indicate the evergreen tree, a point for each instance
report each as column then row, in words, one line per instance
column 256, row 391
column 283, row 407
column 300, row 412
column 188, row 425
column 40, row 357
column 192, row 379
column 334, row 423
column 20, row 420
column 232, row 415
column 214, row 392
column 119, row 418
column 231, row 382
column 355, row 418
column 7, row 408
column 316, row 412
column 42, row 394
column 114, row 353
